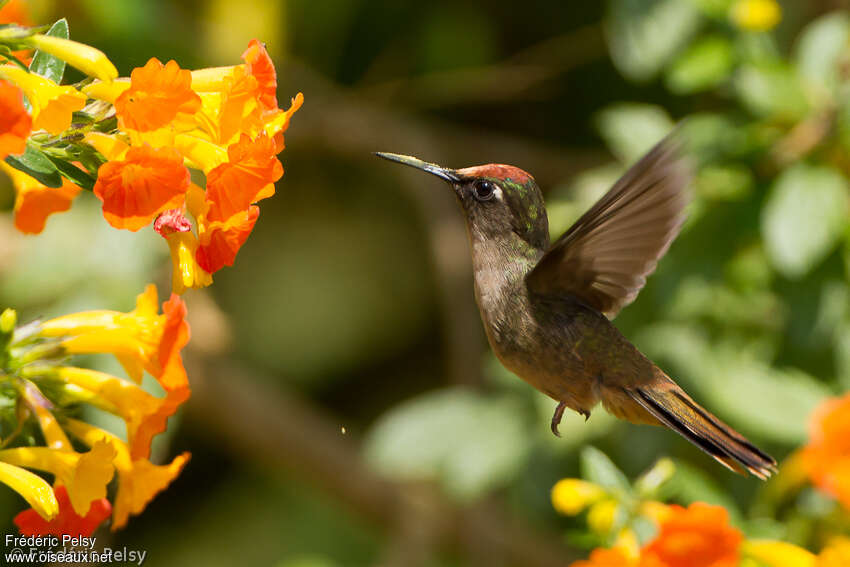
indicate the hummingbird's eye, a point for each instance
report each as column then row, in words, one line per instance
column 483, row 190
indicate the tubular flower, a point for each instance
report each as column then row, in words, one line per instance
column 32, row 487
column 145, row 415
column 67, row 522
column 139, row 480
column 147, row 182
column 220, row 241
column 696, row 536
column 85, row 475
column 15, row 121
column 156, row 95
column 85, row 58
column 777, row 554
column 261, row 67
column 247, row 177
column 34, row 202
column 140, row 339
column 16, row 12
column 224, row 121
column 52, row 104
column 826, row 457
column 182, row 243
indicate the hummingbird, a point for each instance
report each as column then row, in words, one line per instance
column 547, row 307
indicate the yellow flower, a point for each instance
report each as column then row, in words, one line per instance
column 111, row 146
column 86, row 58
column 571, row 495
column 185, row 273
column 107, row 90
column 139, row 480
column 756, row 15
column 32, row 487
column 835, row 554
column 777, row 553
column 145, row 414
column 200, row 153
column 52, row 105
column 85, row 475
column 602, row 515
column 141, row 339
column 53, row 434
column 211, row 79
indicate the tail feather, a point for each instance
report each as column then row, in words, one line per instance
column 675, row 409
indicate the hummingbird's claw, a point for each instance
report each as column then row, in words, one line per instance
column 556, row 419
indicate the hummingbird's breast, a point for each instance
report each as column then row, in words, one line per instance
column 541, row 348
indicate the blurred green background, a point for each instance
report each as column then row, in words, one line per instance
column 346, row 409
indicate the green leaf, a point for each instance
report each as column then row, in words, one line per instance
column 772, row 403
column 804, row 217
column 643, row 35
column 822, row 47
column 730, row 182
column 469, row 442
column 47, row 65
column 772, row 90
column 73, row 173
column 598, row 468
column 631, row 129
column 705, row 64
column 34, row 163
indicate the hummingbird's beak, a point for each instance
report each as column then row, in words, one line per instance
column 449, row 175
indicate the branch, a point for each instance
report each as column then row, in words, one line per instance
column 281, row 430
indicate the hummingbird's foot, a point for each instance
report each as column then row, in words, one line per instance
column 556, row 419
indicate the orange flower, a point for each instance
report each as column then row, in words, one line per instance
column 16, row 12
column 247, row 177
column 15, row 121
column 261, row 67
column 826, row 457
column 605, row 558
column 68, row 522
column 835, row 554
column 156, row 95
column 239, row 111
column 145, row 415
column 139, row 480
column 147, row 182
column 34, row 202
column 697, row 536
column 220, row 241
column 141, row 339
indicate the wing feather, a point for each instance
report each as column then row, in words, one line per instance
column 605, row 257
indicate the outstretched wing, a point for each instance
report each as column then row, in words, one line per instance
column 605, row 257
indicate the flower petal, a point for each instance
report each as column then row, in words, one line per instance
column 32, row 487
column 147, row 182
column 67, row 522
column 15, row 121
column 233, row 186
column 156, row 95
column 221, row 241
column 34, row 202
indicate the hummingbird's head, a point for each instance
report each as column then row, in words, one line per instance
column 497, row 200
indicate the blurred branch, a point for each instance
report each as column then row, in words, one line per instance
column 283, row 431
column 518, row 76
